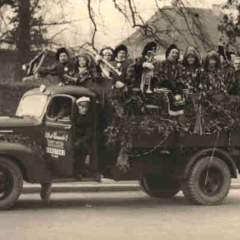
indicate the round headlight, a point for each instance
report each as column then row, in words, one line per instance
column 42, row 88
column 24, row 67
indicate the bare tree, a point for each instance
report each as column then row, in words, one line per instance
column 229, row 26
column 23, row 31
column 91, row 16
column 23, row 28
column 132, row 14
column 6, row 2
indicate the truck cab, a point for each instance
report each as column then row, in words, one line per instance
column 56, row 135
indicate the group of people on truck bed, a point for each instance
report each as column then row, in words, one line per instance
column 217, row 73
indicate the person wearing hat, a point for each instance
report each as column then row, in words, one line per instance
column 141, row 72
column 169, row 73
column 118, row 59
column 83, row 136
column 121, row 53
column 169, row 70
column 64, row 68
column 121, row 63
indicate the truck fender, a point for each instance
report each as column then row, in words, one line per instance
column 208, row 152
column 34, row 166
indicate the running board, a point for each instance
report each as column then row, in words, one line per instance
column 64, row 180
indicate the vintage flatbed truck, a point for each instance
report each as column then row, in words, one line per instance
column 36, row 148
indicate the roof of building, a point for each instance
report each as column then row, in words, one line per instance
column 170, row 25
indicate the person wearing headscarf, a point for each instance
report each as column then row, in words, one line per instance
column 64, row 68
column 141, row 72
column 214, row 78
column 192, row 73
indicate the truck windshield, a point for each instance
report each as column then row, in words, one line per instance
column 32, row 105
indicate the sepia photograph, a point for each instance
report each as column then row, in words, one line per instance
column 119, row 119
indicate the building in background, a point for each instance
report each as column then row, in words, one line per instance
column 173, row 29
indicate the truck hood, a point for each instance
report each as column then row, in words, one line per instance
column 6, row 121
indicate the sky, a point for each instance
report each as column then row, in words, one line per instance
column 112, row 27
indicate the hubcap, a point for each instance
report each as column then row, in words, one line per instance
column 6, row 183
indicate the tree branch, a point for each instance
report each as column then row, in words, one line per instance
column 57, row 23
column 90, row 12
column 121, row 10
column 196, row 24
column 6, row 2
column 2, row 17
column 146, row 30
column 133, row 14
column 56, row 34
column 190, row 18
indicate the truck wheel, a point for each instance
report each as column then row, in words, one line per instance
column 11, row 182
column 144, row 187
column 208, row 182
column 160, row 186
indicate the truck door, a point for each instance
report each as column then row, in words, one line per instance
column 58, row 135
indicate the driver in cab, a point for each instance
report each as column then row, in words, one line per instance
column 64, row 113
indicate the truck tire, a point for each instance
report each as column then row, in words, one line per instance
column 11, row 182
column 160, row 186
column 144, row 187
column 208, row 182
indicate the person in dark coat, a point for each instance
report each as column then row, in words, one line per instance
column 169, row 74
column 64, row 68
column 226, row 63
column 214, row 78
column 192, row 75
column 169, row 70
column 233, row 80
column 106, row 54
column 141, row 72
column 192, row 71
column 83, row 136
column 122, row 62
